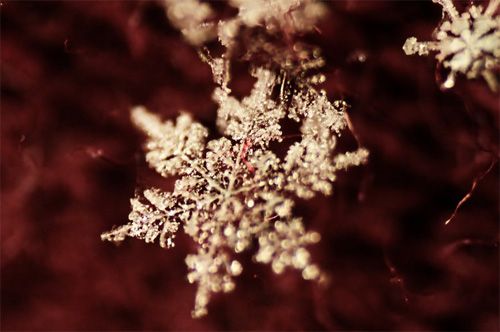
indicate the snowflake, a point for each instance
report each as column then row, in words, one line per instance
column 234, row 189
column 196, row 21
column 467, row 43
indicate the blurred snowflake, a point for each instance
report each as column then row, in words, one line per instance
column 467, row 43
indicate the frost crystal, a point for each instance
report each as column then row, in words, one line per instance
column 196, row 21
column 234, row 191
column 192, row 17
column 298, row 15
column 467, row 43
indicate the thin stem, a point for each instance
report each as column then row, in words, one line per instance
column 471, row 191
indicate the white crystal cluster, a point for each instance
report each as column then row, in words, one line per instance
column 196, row 20
column 234, row 191
column 466, row 43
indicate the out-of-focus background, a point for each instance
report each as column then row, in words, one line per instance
column 70, row 161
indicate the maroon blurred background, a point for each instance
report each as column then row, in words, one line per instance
column 71, row 160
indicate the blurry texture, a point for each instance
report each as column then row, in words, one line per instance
column 71, row 159
column 190, row 17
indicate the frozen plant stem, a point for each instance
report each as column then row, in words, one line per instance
column 467, row 196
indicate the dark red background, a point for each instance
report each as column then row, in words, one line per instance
column 71, row 160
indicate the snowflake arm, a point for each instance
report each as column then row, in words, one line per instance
column 256, row 117
column 149, row 220
column 309, row 165
column 169, row 146
column 213, row 272
column 283, row 246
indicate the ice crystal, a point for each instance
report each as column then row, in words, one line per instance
column 466, row 43
column 296, row 15
column 196, row 21
column 192, row 18
column 234, row 191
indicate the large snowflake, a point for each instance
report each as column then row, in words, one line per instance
column 234, row 189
